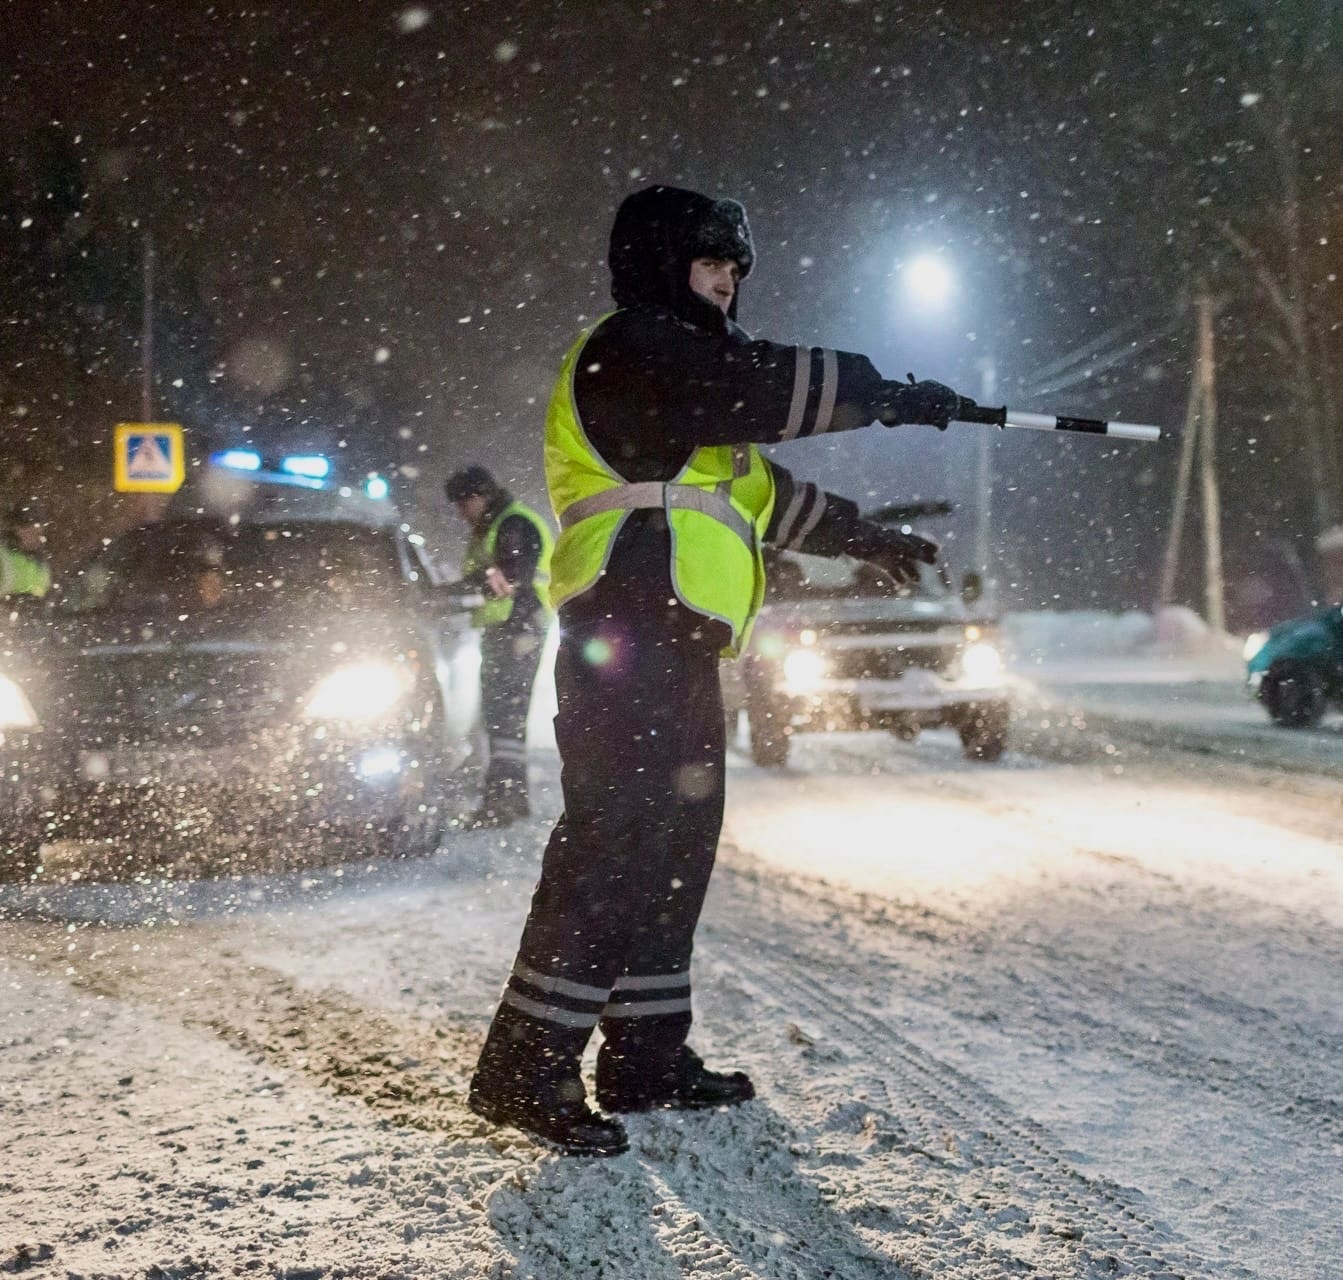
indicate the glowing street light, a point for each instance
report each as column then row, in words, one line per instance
column 929, row 280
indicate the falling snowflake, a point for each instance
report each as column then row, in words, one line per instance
column 416, row 18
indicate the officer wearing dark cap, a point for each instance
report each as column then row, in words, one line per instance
column 507, row 564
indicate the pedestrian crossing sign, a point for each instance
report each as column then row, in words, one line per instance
column 149, row 457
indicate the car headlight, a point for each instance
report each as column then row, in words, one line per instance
column 1253, row 643
column 803, row 670
column 360, row 691
column 16, row 712
column 982, row 663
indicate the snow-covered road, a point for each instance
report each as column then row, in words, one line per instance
column 1038, row 1019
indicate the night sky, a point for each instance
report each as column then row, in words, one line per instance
column 386, row 222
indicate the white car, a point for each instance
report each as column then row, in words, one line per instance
column 839, row 647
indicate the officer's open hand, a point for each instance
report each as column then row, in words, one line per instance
column 898, row 555
column 498, row 583
column 907, row 403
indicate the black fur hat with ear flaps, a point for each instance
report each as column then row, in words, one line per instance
column 658, row 232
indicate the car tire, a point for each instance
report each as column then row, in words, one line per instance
column 1293, row 694
column 770, row 739
column 984, row 733
column 20, row 852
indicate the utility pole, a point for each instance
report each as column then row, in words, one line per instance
column 1199, row 439
column 1213, row 584
column 147, row 333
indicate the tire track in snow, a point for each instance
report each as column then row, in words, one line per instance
column 985, row 1156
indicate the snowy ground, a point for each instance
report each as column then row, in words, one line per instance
column 1075, row 1014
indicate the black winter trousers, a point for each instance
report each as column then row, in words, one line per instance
column 609, row 935
column 509, row 657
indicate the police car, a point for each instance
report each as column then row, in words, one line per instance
column 838, row 646
column 266, row 678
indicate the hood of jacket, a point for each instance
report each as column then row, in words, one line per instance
column 656, row 235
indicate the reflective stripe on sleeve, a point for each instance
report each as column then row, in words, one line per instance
column 811, row 520
column 803, row 515
column 825, row 411
column 801, row 385
column 794, row 509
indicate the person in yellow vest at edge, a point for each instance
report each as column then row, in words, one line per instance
column 23, row 551
column 664, row 505
column 507, row 562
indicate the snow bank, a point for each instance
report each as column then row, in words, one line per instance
column 1047, row 638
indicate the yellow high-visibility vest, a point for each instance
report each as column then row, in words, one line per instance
column 22, row 575
column 480, row 555
column 718, row 507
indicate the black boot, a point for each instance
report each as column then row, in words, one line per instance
column 683, row 1083
column 495, row 812
column 527, row 1078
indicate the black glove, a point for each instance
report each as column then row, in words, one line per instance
column 896, row 554
column 934, row 403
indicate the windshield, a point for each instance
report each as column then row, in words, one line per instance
column 793, row 577
column 209, row 567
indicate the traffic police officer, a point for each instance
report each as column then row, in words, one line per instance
column 23, row 553
column 508, row 563
column 664, row 505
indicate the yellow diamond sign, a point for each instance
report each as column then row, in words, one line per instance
column 150, row 457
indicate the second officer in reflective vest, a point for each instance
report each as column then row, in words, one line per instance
column 664, row 504
column 507, row 564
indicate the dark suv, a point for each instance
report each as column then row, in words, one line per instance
column 265, row 680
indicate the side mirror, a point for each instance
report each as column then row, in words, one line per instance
column 972, row 586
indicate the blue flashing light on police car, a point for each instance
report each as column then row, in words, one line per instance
column 376, row 488
column 237, row 459
column 311, row 466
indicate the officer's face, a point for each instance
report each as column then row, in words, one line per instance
column 28, row 538
column 715, row 279
column 471, row 508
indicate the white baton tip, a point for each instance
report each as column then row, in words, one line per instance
column 1133, row 430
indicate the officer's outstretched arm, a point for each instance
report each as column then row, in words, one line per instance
column 806, row 518
column 678, row 385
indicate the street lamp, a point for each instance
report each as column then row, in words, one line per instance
column 929, row 280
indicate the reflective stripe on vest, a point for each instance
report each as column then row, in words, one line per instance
column 717, row 510
column 654, row 493
column 480, row 555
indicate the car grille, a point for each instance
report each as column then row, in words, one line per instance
column 170, row 697
column 888, row 664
